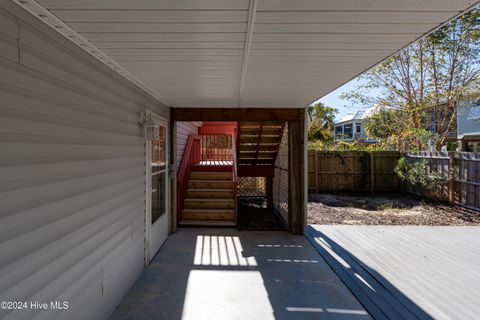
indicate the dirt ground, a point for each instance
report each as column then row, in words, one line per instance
column 386, row 209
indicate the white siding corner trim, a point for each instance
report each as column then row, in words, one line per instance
column 72, row 174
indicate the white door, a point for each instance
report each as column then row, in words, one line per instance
column 157, row 217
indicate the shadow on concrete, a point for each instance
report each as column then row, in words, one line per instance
column 379, row 297
column 254, row 215
column 226, row 274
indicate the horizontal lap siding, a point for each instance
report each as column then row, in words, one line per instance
column 184, row 129
column 72, row 184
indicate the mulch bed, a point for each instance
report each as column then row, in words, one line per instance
column 386, row 209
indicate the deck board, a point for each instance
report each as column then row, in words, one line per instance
column 408, row 272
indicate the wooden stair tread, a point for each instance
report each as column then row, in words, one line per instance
column 209, row 190
column 209, row 200
column 208, row 180
column 209, row 203
column 206, row 176
column 224, row 168
column 204, row 184
column 217, row 223
column 208, row 216
column 210, row 194
column 227, row 210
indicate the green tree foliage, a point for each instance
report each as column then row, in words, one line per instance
column 383, row 124
column 387, row 127
column 426, row 80
column 321, row 120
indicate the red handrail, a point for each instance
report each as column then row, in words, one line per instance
column 191, row 155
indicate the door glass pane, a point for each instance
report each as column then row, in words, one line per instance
column 158, row 151
column 158, row 196
column 158, row 174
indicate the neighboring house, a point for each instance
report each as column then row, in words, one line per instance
column 468, row 126
column 431, row 125
column 352, row 126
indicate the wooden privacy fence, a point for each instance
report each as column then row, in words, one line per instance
column 357, row 171
column 337, row 171
column 463, row 172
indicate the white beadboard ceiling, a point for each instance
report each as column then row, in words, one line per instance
column 250, row 53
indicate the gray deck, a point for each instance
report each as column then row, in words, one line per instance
column 226, row 274
column 406, row 272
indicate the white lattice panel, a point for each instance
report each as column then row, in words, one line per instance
column 280, row 181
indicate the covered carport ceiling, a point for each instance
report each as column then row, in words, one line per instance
column 250, row 53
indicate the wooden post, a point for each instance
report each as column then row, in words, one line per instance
column 296, row 177
column 372, row 173
column 452, row 167
column 173, row 174
column 403, row 183
column 315, row 159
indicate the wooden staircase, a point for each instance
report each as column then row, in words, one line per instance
column 210, row 199
column 259, row 142
column 208, row 174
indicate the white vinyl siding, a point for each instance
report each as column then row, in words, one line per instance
column 468, row 118
column 72, row 174
column 184, row 129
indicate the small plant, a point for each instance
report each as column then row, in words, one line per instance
column 402, row 168
column 420, row 173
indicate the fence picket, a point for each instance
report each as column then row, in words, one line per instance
column 351, row 171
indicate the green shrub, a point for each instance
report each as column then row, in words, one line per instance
column 420, row 173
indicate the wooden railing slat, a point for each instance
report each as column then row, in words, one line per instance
column 216, row 147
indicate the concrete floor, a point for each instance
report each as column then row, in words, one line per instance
column 226, row 274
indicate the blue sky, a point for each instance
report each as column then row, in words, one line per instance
column 344, row 106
